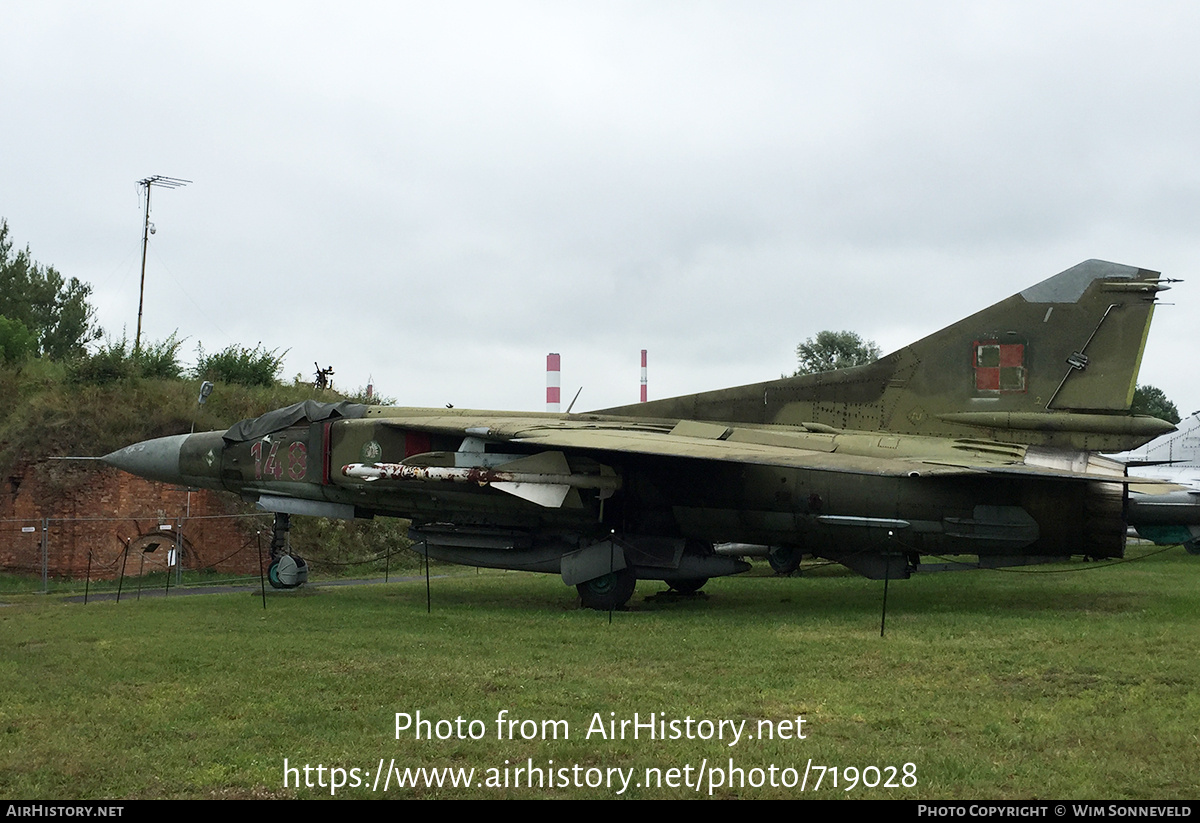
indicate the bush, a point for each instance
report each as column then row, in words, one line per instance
column 354, row 547
column 116, row 360
column 236, row 364
column 111, row 362
column 160, row 360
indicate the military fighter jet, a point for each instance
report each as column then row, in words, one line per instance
column 977, row 440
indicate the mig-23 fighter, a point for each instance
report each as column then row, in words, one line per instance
column 980, row 439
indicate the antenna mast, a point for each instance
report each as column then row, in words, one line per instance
column 147, row 184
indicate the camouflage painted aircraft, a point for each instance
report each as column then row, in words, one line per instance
column 977, row 440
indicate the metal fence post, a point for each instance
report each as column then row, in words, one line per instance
column 45, row 555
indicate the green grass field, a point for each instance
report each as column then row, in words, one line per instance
column 1033, row 684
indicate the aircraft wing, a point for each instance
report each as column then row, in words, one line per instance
column 785, row 447
column 659, row 444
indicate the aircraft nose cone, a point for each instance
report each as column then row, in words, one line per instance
column 156, row 459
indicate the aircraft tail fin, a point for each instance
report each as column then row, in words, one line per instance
column 1055, row 364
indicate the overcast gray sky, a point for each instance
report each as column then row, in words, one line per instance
column 438, row 194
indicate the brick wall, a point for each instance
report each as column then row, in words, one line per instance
column 100, row 510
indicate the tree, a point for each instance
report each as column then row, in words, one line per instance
column 1153, row 401
column 54, row 309
column 831, row 350
column 16, row 341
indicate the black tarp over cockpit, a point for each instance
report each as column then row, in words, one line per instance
column 307, row 411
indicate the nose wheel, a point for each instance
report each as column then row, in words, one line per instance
column 287, row 570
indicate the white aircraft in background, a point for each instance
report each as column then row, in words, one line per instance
column 1175, row 458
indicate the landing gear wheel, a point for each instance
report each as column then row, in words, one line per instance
column 688, row 585
column 609, row 591
column 288, row 572
column 784, row 559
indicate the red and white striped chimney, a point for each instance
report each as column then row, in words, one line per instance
column 553, row 381
column 643, row 375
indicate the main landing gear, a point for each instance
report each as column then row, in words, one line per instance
column 784, row 559
column 609, row 591
column 606, row 572
column 687, row 585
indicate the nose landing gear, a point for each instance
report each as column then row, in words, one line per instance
column 287, row 570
